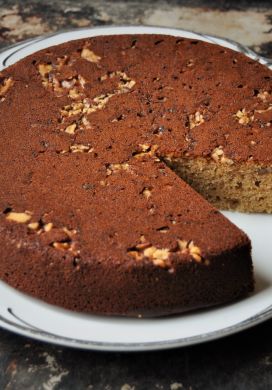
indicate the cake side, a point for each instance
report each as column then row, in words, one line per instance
column 137, row 290
column 227, row 185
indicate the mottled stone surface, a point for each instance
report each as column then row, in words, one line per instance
column 248, row 22
column 243, row 361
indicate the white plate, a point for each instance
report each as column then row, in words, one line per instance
column 33, row 318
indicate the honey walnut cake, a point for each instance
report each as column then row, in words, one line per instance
column 95, row 135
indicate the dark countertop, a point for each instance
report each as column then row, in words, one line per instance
column 242, row 361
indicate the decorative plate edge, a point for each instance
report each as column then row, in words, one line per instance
column 32, row 331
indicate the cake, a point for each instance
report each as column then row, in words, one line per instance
column 109, row 146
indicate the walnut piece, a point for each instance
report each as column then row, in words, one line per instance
column 50, row 75
column 45, row 69
column 74, row 93
column 48, row 227
column 146, row 193
column 89, row 55
column 74, row 108
column 68, row 84
column 158, row 256
column 19, row 217
column 126, row 83
column 195, row 119
column 155, row 253
column 146, row 150
column 61, row 245
column 190, row 63
column 99, row 102
column 80, row 148
column 243, row 116
column 117, row 167
column 71, row 129
column 33, row 225
column 67, row 244
column 70, row 232
column 41, row 228
column 219, row 157
column 5, row 86
column 83, row 106
column 264, row 96
column 188, row 247
column 49, row 80
column 145, row 147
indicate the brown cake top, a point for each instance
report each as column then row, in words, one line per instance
column 76, row 206
column 84, row 125
column 187, row 97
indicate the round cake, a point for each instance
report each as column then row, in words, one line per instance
column 109, row 146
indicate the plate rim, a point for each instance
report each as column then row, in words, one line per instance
column 42, row 335
column 211, row 38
